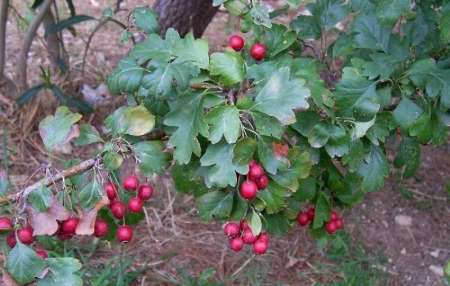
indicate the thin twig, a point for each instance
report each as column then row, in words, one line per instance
column 3, row 24
column 243, row 265
column 31, row 33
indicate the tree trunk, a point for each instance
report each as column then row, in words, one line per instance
column 185, row 15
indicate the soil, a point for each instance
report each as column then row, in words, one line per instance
column 173, row 236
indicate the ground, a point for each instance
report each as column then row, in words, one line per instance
column 399, row 235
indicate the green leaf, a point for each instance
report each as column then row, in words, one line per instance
column 56, row 129
column 192, row 50
column 112, row 161
column 260, row 16
column 373, row 170
column 131, row 120
column 338, row 143
column 306, row 121
column 62, row 271
column 224, row 122
column 66, row 23
column 187, row 116
column 146, row 20
column 278, row 39
column 273, row 197
column 283, row 93
column 41, row 198
column 240, row 207
column 390, row 10
column 90, row 194
column 222, row 171
column 307, row 27
column 323, row 210
column 126, row 78
column 327, row 13
column 153, row 48
column 255, row 223
column 276, row 224
column 28, row 94
column 269, row 160
column 151, row 156
column 228, row 67
column 408, row 156
column 218, row 2
column 444, row 26
column 217, row 205
column 406, row 113
column 187, row 180
column 319, row 135
column 244, row 151
column 306, row 190
column 267, row 125
column 23, row 264
column 236, row 7
column 370, row 34
column 298, row 168
column 88, row 135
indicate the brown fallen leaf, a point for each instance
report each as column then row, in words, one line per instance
column 46, row 223
column 88, row 217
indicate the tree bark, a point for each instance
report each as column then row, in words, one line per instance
column 185, row 15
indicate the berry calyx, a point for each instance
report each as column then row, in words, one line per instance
column 236, row 244
column 248, row 190
column 11, row 240
column 145, row 191
column 111, row 191
column 5, row 224
column 248, row 237
column 135, row 205
column 331, row 227
column 131, row 183
column 42, row 253
column 258, row 51
column 101, row 228
column 25, row 235
column 69, row 226
column 124, row 233
column 231, row 229
column 236, row 42
column 260, row 247
column 303, row 219
column 118, row 209
column 255, row 172
column 262, row 182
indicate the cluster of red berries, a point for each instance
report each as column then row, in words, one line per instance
column 334, row 224
column 241, row 233
column 256, row 180
column 257, row 50
column 135, row 205
column 24, row 234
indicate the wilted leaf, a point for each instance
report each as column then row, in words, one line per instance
column 135, row 121
column 87, row 218
column 45, row 223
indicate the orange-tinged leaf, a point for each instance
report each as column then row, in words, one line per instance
column 88, row 217
column 45, row 223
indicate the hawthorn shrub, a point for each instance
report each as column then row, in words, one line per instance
column 277, row 129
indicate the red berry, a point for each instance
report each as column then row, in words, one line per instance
column 236, row 244
column 260, row 247
column 236, row 42
column 111, row 191
column 243, row 225
column 334, row 216
column 131, row 183
column 339, row 223
column 248, row 237
column 248, row 190
column 231, row 229
column 25, row 235
column 255, row 172
column 5, row 224
column 101, row 228
column 331, row 227
column 145, row 191
column 262, row 182
column 124, row 233
column 303, row 219
column 264, row 236
column 11, row 240
column 69, row 226
column 258, row 51
column 118, row 209
column 135, row 205
column 310, row 213
column 42, row 253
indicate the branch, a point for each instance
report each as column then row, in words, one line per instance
column 47, row 181
column 31, row 33
column 3, row 24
